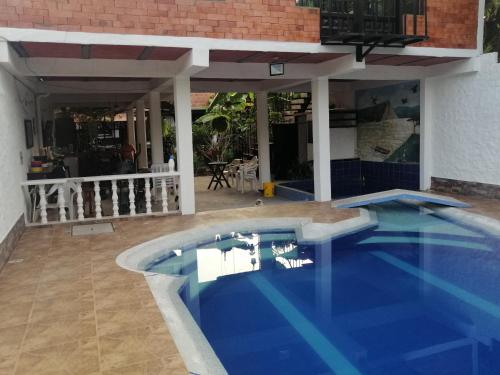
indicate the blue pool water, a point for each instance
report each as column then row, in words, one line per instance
column 415, row 295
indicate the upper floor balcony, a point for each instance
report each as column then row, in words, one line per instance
column 388, row 23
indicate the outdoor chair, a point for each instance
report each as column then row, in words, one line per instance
column 69, row 200
column 170, row 181
column 232, row 170
column 248, row 173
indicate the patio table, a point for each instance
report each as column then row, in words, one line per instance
column 217, row 169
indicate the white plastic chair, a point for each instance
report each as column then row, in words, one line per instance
column 170, row 181
column 248, row 173
column 232, row 170
column 69, row 200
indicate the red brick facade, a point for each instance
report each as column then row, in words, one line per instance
column 452, row 23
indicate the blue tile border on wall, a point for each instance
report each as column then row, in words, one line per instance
column 352, row 177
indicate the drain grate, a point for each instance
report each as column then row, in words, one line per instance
column 90, row 229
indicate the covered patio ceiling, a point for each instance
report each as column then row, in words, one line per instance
column 88, row 74
column 130, row 52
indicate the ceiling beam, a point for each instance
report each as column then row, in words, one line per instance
column 86, row 100
column 146, row 53
column 190, row 63
column 337, row 67
column 20, row 50
column 95, row 87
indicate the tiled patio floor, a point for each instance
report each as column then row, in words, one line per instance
column 67, row 308
column 226, row 198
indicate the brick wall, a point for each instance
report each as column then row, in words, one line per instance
column 452, row 23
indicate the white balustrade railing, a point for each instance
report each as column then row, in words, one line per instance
column 100, row 197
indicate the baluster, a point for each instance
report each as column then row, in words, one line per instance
column 79, row 201
column 97, row 200
column 131, row 196
column 43, row 204
column 116, row 211
column 61, row 203
column 164, row 195
column 147, row 186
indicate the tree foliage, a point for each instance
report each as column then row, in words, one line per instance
column 492, row 26
column 228, row 115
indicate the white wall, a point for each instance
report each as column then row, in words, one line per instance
column 16, row 105
column 343, row 144
column 466, row 125
column 343, row 141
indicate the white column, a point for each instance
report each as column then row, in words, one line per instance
column 97, row 200
column 184, row 139
column 79, row 201
column 131, row 127
column 425, row 134
column 155, row 125
column 263, row 137
column 141, row 134
column 114, row 199
column 321, row 139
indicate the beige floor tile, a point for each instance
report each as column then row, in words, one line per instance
column 53, row 289
column 135, row 346
column 73, row 304
column 15, row 314
column 117, row 277
column 115, row 297
column 59, row 330
column 17, row 294
column 10, row 340
column 168, row 366
column 115, row 320
column 7, row 365
column 105, row 265
column 65, row 273
column 75, row 358
column 20, row 280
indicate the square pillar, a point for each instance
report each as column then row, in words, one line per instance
column 321, row 139
column 425, row 134
column 184, row 140
column 263, row 137
column 155, row 126
column 131, row 127
column 142, row 144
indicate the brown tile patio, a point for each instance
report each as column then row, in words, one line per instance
column 67, row 308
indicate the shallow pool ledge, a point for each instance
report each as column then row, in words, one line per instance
column 398, row 194
column 320, row 232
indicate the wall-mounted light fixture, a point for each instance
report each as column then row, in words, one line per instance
column 276, row 69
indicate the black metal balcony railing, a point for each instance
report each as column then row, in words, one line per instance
column 389, row 23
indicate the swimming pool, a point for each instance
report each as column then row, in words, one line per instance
column 415, row 294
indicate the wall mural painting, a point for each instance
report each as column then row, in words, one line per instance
column 388, row 123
